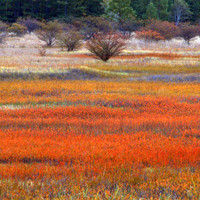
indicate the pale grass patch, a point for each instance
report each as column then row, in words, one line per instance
column 15, row 58
column 176, row 45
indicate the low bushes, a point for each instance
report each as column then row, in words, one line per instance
column 30, row 24
column 105, row 46
column 18, row 29
column 164, row 28
column 188, row 31
column 70, row 40
column 149, row 35
column 49, row 32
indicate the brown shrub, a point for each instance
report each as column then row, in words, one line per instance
column 70, row 40
column 2, row 38
column 42, row 51
column 188, row 31
column 18, row 29
column 48, row 32
column 149, row 35
column 30, row 24
column 166, row 29
column 3, row 26
column 93, row 25
column 104, row 46
column 128, row 26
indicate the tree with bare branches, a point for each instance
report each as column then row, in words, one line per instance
column 105, row 46
column 48, row 32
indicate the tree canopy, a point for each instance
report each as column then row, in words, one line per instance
column 11, row 10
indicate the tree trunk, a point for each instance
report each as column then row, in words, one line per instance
column 65, row 8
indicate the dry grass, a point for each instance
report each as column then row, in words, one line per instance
column 131, row 64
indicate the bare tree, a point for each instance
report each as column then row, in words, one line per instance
column 180, row 11
column 48, row 32
column 104, row 46
column 188, row 31
column 70, row 40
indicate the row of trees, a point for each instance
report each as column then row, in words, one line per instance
column 105, row 45
column 101, row 39
column 49, row 32
column 171, row 10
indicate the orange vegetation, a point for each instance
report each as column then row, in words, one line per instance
column 169, row 56
column 113, row 135
column 153, row 133
column 28, row 92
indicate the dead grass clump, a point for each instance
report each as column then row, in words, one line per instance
column 42, row 51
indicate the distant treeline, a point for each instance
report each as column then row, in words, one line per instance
column 170, row 10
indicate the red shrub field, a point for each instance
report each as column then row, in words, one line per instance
column 117, row 148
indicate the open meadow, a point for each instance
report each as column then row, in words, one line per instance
column 74, row 127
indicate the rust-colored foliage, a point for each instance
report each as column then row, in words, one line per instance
column 149, row 35
column 188, row 31
column 167, row 29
